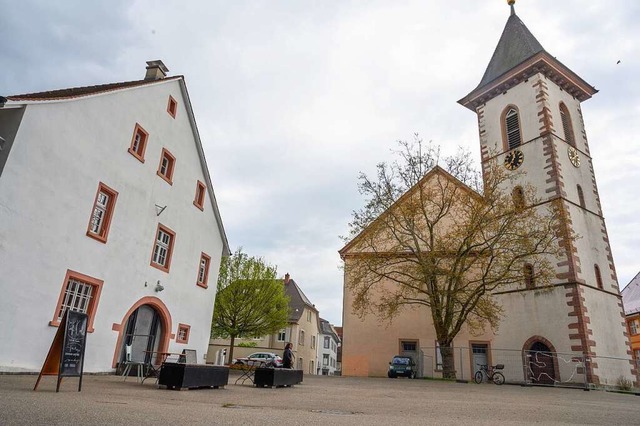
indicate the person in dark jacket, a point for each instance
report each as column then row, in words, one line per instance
column 288, row 356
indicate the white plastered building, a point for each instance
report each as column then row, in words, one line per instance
column 107, row 207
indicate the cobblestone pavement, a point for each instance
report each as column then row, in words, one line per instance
column 317, row 401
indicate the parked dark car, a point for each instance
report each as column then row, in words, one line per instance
column 402, row 366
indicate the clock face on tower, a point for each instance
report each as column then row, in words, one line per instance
column 514, row 159
column 574, row 157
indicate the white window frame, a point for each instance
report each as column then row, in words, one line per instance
column 161, row 249
column 77, row 297
column 282, row 335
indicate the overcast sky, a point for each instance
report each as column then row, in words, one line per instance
column 294, row 98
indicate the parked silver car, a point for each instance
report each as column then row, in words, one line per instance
column 259, row 357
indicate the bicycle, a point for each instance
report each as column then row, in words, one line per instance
column 491, row 373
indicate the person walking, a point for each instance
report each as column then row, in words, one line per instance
column 288, row 357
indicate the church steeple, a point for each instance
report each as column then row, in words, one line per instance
column 516, row 45
column 517, row 56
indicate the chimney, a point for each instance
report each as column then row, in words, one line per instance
column 286, row 278
column 156, row 70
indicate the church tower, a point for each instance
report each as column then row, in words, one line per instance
column 529, row 117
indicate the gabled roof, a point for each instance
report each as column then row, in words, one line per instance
column 436, row 171
column 327, row 328
column 631, row 296
column 73, row 93
column 516, row 45
column 297, row 300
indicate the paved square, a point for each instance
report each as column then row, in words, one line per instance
column 319, row 400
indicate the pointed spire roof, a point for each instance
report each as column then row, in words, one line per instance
column 516, row 45
column 518, row 56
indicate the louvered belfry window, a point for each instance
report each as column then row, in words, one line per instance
column 512, row 127
column 566, row 125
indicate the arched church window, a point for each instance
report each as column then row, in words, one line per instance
column 528, row 276
column 566, row 125
column 511, row 127
column 598, row 276
column 581, row 197
column 518, row 197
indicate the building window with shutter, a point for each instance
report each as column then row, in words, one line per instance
column 565, row 117
column 511, row 128
column 102, row 212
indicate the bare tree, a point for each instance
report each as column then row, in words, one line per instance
column 427, row 238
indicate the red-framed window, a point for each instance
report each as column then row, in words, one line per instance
column 172, row 107
column 163, row 248
column 201, row 191
column 102, row 212
column 139, row 142
column 182, row 336
column 203, row 270
column 166, row 166
column 80, row 293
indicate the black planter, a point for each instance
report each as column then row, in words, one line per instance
column 277, row 377
column 177, row 376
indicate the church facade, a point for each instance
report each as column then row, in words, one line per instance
column 528, row 106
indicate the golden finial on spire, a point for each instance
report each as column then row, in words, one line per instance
column 511, row 3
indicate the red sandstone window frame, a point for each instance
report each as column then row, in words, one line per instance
column 92, row 305
column 105, row 221
column 165, row 171
column 172, row 107
column 138, row 147
column 567, row 125
column 182, row 333
column 158, row 246
column 201, row 190
column 596, row 269
column 503, row 125
column 203, row 270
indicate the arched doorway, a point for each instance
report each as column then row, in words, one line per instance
column 146, row 327
column 143, row 333
column 541, row 363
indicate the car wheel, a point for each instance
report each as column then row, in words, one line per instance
column 391, row 376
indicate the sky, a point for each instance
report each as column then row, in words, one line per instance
column 294, row 98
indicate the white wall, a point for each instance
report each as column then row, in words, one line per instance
column 61, row 152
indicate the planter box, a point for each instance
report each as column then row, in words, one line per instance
column 178, row 376
column 277, row 377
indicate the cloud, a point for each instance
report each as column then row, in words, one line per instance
column 294, row 98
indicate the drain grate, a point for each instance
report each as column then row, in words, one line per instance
column 336, row 412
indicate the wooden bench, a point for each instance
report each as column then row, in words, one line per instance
column 178, row 376
column 270, row 377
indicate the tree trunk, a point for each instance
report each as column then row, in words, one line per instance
column 448, row 366
column 229, row 360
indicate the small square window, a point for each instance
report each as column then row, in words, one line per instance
column 139, row 142
column 163, row 248
column 172, row 107
column 166, row 166
column 203, row 270
column 103, row 207
column 80, row 293
column 201, row 190
column 182, row 336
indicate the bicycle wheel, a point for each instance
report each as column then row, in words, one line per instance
column 498, row 378
column 478, row 377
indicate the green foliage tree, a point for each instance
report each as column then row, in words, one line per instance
column 250, row 302
column 446, row 246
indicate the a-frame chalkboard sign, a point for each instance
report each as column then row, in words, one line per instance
column 66, row 355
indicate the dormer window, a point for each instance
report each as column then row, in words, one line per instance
column 566, row 125
column 511, row 127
